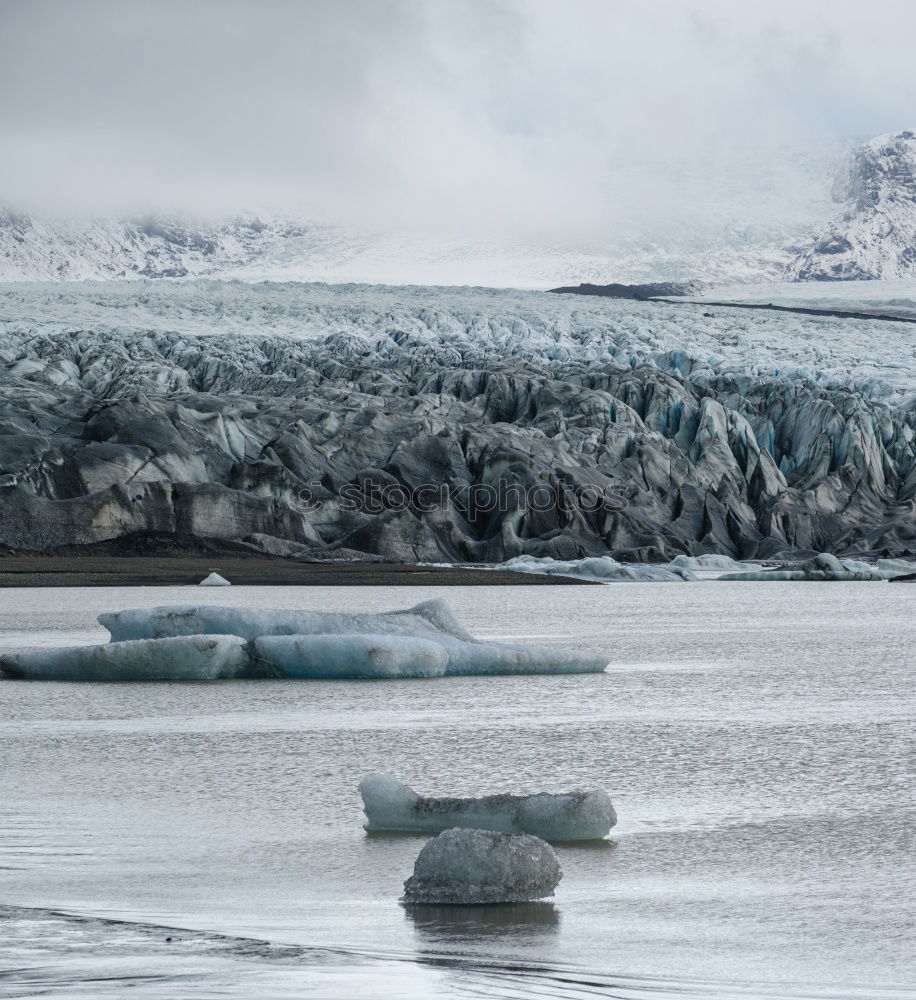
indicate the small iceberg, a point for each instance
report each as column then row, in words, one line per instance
column 480, row 866
column 214, row 580
column 170, row 643
column 186, row 658
column 391, row 805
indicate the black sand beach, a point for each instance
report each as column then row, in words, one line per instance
column 136, row 571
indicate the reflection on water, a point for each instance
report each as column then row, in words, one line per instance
column 440, row 924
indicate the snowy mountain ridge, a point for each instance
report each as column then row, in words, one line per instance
column 252, row 248
column 732, row 240
column 33, row 249
column 875, row 234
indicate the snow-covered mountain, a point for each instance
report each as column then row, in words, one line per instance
column 875, row 235
column 279, row 249
column 750, row 229
column 34, row 249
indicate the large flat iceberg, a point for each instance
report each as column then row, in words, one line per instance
column 188, row 658
column 479, row 866
column 212, row 643
column 391, row 805
column 355, row 646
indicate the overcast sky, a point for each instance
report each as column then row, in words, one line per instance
column 556, row 116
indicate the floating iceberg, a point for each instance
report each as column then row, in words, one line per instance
column 349, row 641
column 188, row 658
column 601, row 569
column 350, row 657
column 896, row 567
column 392, row 805
column 887, row 569
column 210, row 643
column 711, row 562
column 822, row 567
column 480, row 866
column 214, row 580
column 431, row 618
column 604, row 569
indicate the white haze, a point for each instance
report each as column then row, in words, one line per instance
column 566, row 121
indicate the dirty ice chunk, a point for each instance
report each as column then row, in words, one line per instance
column 391, row 805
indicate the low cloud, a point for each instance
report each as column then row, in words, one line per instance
column 563, row 121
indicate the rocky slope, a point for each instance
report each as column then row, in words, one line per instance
column 449, row 425
column 875, row 234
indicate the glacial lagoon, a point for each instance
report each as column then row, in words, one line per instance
column 756, row 741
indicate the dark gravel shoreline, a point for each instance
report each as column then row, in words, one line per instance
column 146, row 571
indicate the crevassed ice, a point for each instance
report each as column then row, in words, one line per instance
column 480, row 866
column 392, row 805
column 184, row 658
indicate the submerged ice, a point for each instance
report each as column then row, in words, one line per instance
column 211, row 643
column 391, row 805
column 480, row 866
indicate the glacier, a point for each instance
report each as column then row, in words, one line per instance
column 215, row 643
column 184, row 658
column 308, row 420
column 479, row 866
column 568, row 816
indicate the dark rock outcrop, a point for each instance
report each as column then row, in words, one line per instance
column 641, row 293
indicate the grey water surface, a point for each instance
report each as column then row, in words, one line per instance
column 757, row 741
